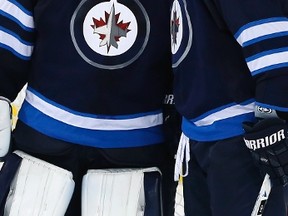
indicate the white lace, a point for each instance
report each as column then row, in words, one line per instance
column 183, row 148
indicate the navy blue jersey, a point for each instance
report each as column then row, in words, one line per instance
column 97, row 71
column 220, row 75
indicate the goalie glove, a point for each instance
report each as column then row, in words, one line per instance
column 5, row 126
column 267, row 141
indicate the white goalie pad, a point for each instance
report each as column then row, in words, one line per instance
column 114, row 192
column 5, row 126
column 39, row 189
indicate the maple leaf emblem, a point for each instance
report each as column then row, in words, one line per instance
column 110, row 30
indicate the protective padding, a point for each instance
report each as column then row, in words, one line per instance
column 114, row 192
column 39, row 189
column 8, row 169
column 5, row 127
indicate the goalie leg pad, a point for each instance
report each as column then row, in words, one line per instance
column 122, row 192
column 39, row 189
column 8, row 169
column 153, row 194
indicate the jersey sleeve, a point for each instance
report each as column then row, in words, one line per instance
column 261, row 29
column 17, row 35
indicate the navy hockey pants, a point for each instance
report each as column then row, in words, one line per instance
column 223, row 181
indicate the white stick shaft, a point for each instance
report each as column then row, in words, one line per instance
column 262, row 197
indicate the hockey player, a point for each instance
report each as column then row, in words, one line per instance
column 230, row 61
column 96, row 73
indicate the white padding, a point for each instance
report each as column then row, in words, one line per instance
column 39, row 189
column 114, row 192
column 5, row 127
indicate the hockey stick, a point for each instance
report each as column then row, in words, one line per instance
column 262, row 197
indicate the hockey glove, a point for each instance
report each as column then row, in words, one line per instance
column 267, row 141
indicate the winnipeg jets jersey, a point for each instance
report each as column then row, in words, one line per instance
column 220, row 75
column 97, row 70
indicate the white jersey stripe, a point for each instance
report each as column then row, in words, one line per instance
column 268, row 60
column 260, row 30
column 228, row 112
column 90, row 122
column 15, row 44
column 14, row 11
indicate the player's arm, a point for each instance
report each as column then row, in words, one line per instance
column 17, row 32
column 260, row 27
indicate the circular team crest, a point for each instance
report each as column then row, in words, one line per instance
column 110, row 34
column 181, row 39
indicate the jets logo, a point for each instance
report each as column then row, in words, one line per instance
column 181, row 40
column 110, row 34
column 110, row 30
column 176, row 27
